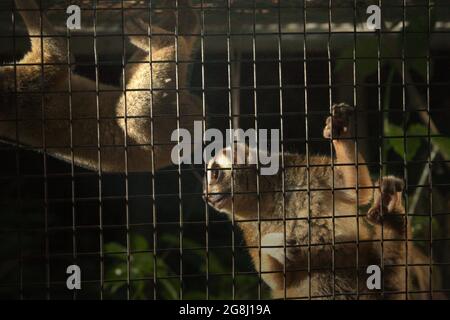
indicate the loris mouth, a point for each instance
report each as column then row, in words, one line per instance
column 217, row 200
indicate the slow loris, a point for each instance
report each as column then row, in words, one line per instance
column 302, row 227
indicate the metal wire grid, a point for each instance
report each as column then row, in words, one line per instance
column 232, row 123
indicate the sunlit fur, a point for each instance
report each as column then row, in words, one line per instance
column 112, row 132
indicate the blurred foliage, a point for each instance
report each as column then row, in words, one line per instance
column 407, row 138
column 141, row 267
column 413, row 44
column 142, row 271
column 398, row 143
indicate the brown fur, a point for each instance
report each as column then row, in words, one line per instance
column 328, row 243
column 26, row 108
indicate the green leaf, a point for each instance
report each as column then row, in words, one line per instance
column 417, row 129
column 113, row 287
column 114, row 247
column 416, row 46
column 138, row 243
column 174, row 241
column 391, row 130
column 443, row 144
column 417, row 40
column 412, row 143
column 420, row 67
column 117, row 272
column 170, row 292
column 215, row 264
column 138, row 290
column 366, row 47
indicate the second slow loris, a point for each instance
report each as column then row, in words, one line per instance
column 47, row 106
column 309, row 241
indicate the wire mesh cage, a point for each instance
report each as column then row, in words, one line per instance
column 108, row 108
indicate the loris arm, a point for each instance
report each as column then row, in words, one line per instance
column 352, row 168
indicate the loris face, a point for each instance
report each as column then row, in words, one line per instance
column 231, row 183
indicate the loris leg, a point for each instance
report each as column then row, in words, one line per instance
column 160, row 64
column 34, row 118
column 351, row 168
column 30, row 73
column 40, row 70
column 42, row 120
column 387, row 207
column 169, row 36
column 54, row 48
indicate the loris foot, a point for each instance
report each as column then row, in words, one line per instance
column 387, row 207
column 339, row 122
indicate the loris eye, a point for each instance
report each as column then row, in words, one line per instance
column 216, row 175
